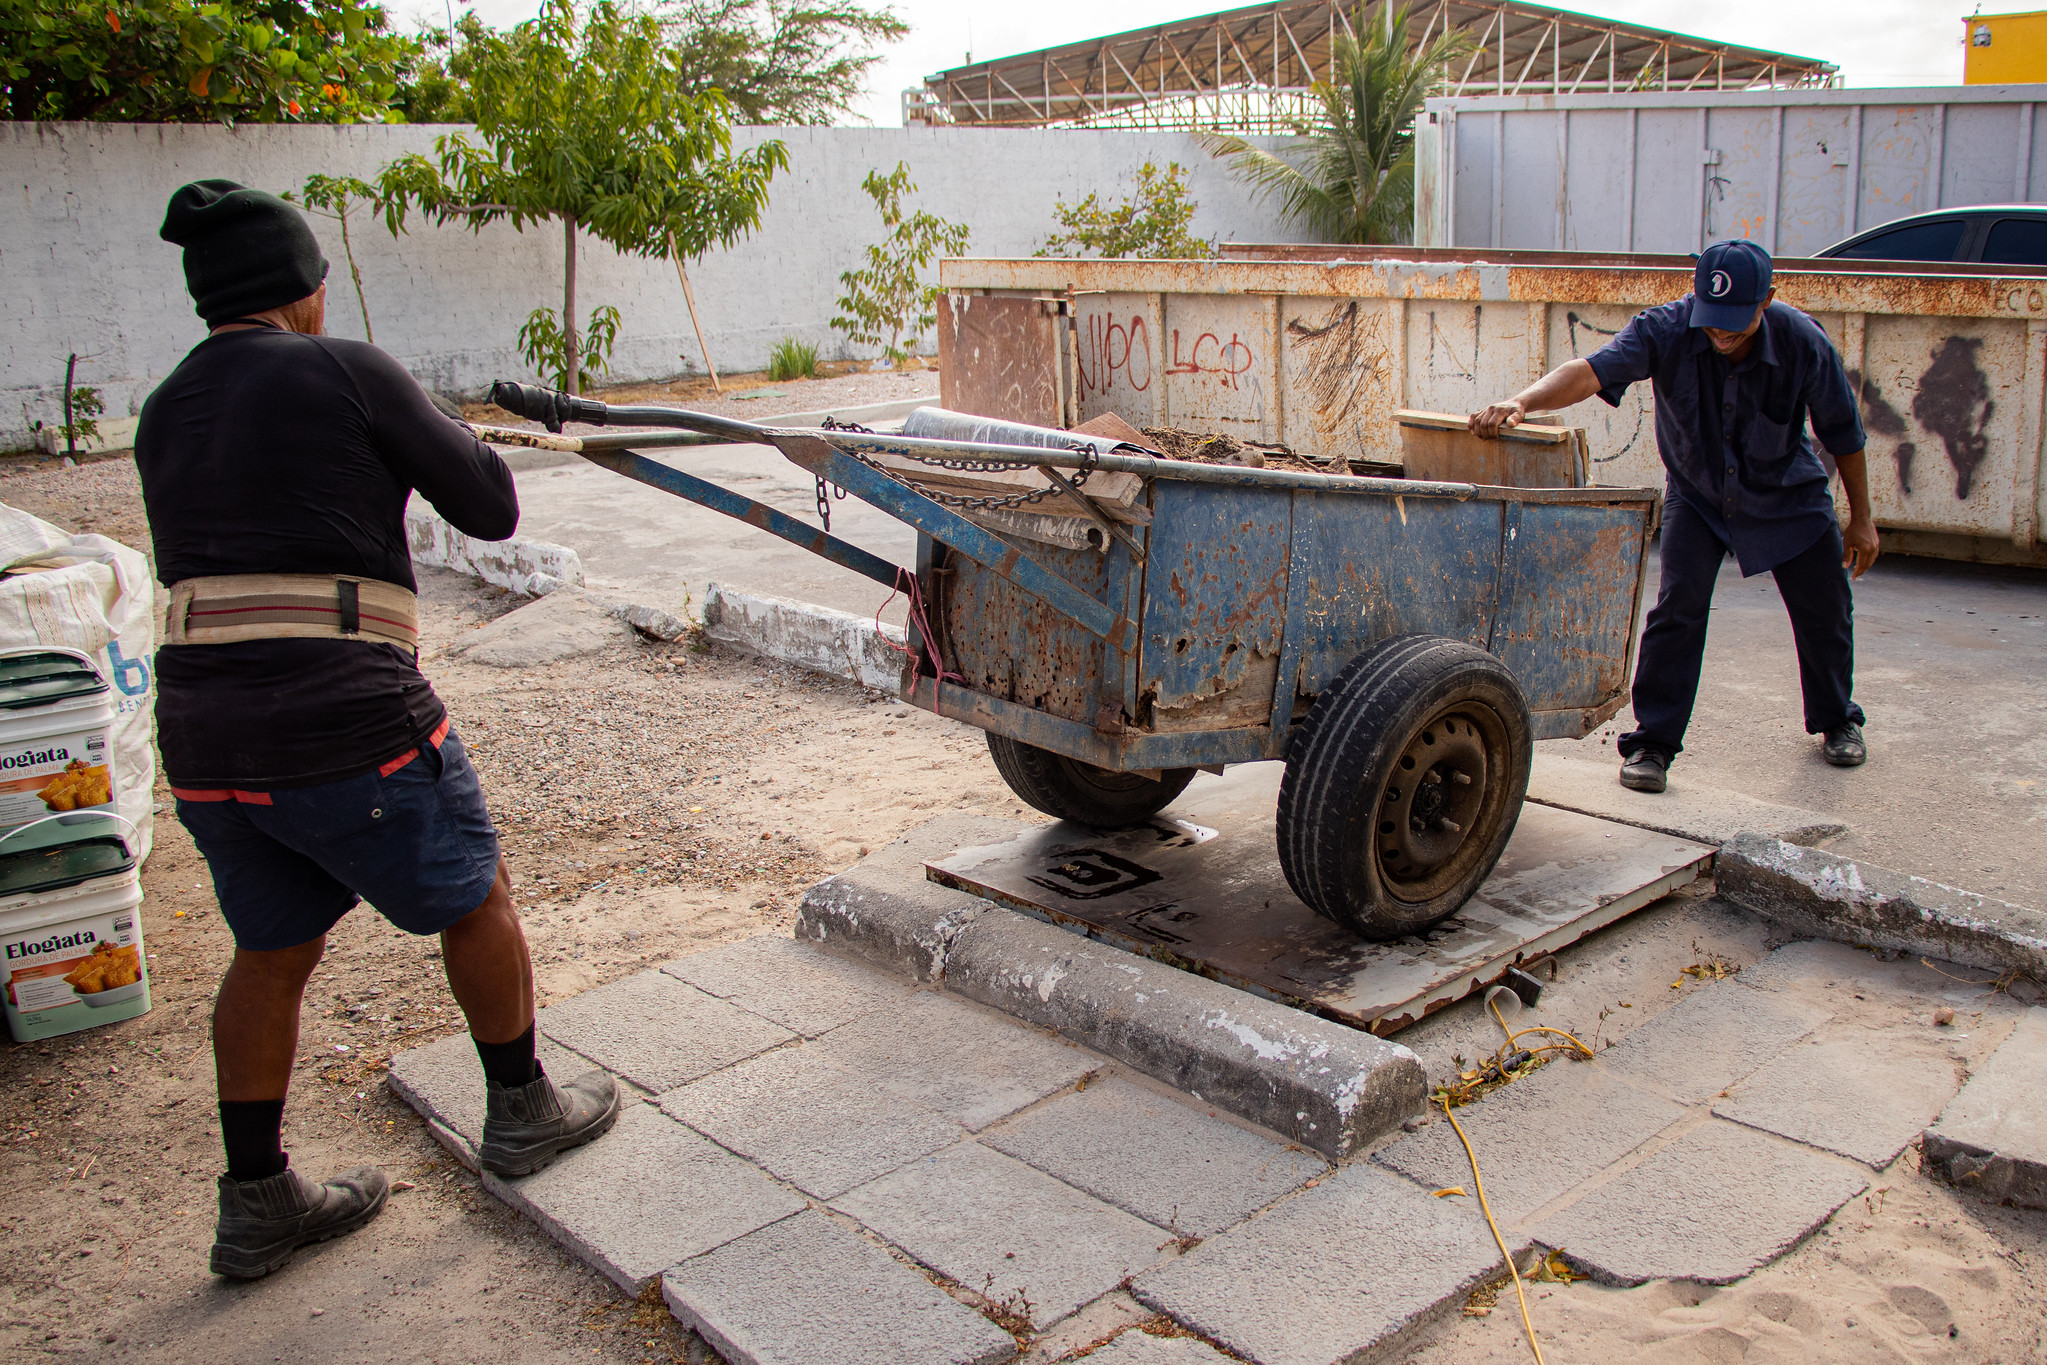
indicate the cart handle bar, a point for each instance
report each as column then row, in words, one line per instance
column 553, row 408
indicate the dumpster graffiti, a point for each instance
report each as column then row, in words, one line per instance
column 1346, row 360
column 1954, row 404
column 1879, row 418
column 1111, row 346
column 1210, row 354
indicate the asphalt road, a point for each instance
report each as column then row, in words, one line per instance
column 1952, row 665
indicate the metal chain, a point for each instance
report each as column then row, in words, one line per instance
column 1087, row 451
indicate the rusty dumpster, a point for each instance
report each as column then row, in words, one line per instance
column 1315, row 348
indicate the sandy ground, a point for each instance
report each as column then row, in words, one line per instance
column 654, row 800
column 657, row 799
column 752, row 397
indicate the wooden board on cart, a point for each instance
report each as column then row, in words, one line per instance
column 1200, row 886
column 1439, row 445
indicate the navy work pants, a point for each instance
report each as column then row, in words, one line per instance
column 1816, row 593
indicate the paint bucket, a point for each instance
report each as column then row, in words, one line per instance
column 71, row 925
column 56, row 735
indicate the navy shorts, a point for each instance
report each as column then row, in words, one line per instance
column 412, row 838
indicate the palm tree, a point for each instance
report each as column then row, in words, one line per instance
column 1352, row 177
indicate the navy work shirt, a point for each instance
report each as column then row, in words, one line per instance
column 1732, row 436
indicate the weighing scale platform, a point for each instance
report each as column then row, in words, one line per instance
column 1200, row 887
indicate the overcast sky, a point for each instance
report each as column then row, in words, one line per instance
column 1875, row 42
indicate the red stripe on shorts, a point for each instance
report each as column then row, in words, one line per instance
column 222, row 794
column 440, row 733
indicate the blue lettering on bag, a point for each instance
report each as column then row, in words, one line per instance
column 130, row 675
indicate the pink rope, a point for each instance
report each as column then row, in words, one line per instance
column 906, row 585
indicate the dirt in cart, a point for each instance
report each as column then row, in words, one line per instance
column 654, row 800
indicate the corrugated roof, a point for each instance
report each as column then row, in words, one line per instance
column 1250, row 70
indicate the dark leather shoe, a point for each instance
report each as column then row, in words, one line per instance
column 262, row 1222
column 527, row 1126
column 1844, row 747
column 1647, row 771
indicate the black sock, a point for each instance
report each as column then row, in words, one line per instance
column 509, row 1065
column 253, row 1133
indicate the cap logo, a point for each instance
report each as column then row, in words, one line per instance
column 1718, row 284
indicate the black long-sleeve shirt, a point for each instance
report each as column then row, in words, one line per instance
column 268, row 451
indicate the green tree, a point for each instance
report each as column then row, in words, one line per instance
column 583, row 120
column 197, row 61
column 886, row 300
column 331, row 196
column 780, row 61
column 775, row 61
column 1351, row 179
column 1148, row 225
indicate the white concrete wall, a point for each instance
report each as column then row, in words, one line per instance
column 82, row 268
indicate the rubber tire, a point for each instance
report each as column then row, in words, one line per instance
column 1345, row 754
column 1068, row 789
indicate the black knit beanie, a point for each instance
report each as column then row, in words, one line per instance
column 245, row 251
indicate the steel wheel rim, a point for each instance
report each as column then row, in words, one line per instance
column 1431, row 818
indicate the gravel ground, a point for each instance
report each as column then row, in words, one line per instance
column 654, row 799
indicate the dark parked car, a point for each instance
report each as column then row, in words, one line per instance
column 1994, row 234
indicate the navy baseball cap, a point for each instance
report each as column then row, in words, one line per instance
column 1731, row 279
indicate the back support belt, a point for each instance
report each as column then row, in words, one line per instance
column 261, row 606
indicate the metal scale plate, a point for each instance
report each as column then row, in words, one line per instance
column 1200, row 887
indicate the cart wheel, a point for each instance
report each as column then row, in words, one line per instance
column 1403, row 784
column 1068, row 789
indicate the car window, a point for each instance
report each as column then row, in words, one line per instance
column 2017, row 241
column 1934, row 241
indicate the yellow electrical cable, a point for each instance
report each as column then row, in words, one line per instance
column 1478, row 1182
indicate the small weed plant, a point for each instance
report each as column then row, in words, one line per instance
column 1151, row 224
column 546, row 349
column 887, row 303
column 792, row 359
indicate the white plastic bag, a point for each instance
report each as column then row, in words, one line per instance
column 96, row 595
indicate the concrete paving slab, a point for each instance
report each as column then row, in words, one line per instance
column 817, row 1127
column 1716, row 1204
column 562, row 625
column 1992, row 1138
column 1711, row 815
column 644, row 1196
column 1155, row 1156
column 1347, row 1268
column 1711, row 1039
column 1824, row 895
column 798, row 985
column 443, row 1081
column 955, row 1060
column 883, row 910
column 998, row 1227
column 658, row 1032
column 1536, row 1138
column 1328, row 1087
column 811, row 1291
column 1136, row 1347
column 1201, row 884
column 1863, row 1095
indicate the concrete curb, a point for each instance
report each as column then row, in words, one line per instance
column 836, row 643
column 1330, row 1088
column 1823, row 895
column 1705, row 814
column 531, row 568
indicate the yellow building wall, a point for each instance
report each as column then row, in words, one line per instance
column 2015, row 55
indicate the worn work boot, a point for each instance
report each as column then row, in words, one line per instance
column 527, row 1126
column 262, row 1222
column 1844, row 747
column 1647, row 771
